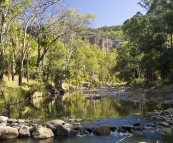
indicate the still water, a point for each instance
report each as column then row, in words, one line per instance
column 74, row 105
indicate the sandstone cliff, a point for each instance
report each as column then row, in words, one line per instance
column 104, row 43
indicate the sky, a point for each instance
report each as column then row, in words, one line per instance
column 107, row 12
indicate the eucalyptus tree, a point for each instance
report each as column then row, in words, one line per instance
column 38, row 13
column 66, row 27
column 9, row 11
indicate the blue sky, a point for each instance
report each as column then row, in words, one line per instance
column 107, row 12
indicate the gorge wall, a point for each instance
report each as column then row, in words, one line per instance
column 104, row 43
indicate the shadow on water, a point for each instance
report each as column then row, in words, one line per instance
column 102, row 110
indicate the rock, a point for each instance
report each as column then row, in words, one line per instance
column 3, row 124
column 137, row 124
column 128, row 128
column 58, row 122
column 103, row 130
column 36, row 120
column 53, row 124
column 16, row 127
column 21, row 120
column 89, row 130
column 76, row 124
column 85, row 132
column 14, row 124
column 77, row 128
column 138, row 128
column 113, row 129
column 3, row 119
column 62, row 130
column 72, row 133
column 137, row 114
column 34, row 128
column 79, row 120
column 120, row 130
column 8, row 133
column 24, row 131
column 11, row 121
column 43, row 133
column 164, row 124
column 151, row 125
column 50, row 126
column 71, row 120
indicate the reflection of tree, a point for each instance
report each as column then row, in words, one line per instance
column 75, row 105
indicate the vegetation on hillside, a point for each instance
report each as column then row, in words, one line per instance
column 46, row 46
column 146, row 55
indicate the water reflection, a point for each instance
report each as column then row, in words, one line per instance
column 75, row 105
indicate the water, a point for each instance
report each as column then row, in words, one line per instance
column 74, row 105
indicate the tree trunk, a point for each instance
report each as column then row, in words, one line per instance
column 12, row 67
column 20, row 73
column 27, row 68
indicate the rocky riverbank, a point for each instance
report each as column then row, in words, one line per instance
column 21, row 128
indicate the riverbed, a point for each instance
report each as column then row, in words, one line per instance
column 102, row 106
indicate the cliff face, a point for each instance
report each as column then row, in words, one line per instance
column 104, row 43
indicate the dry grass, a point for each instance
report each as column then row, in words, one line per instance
column 14, row 83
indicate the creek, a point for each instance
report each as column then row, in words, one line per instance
column 91, row 105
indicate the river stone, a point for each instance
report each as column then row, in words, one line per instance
column 21, row 120
column 43, row 133
column 137, row 114
column 3, row 124
column 72, row 133
column 3, row 119
column 36, row 120
column 24, row 131
column 79, row 120
column 62, row 130
column 8, row 133
column 137, row 124
column 128, row 128
column 11, row 121
column 139, row 128
column 53, row 124
column 50, row 126
column 164, row 124
column 57, row 122
column 14, row 124
column 103, row 130
column 89, row 130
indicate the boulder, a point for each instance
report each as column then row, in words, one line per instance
column 11, row 121
column 53, row 124
column 79, row 120
column 103, row 130
column 3, row 124
column 139, row 128
column 8, row 133
column 137, row 114
column 72, row 133
column 43, row 133
column 113, row 129
column 24, row 131
column 137, row 124
column 128, row 128
column 36, row 120
column 3, row 119
column 89, row 130
column 21, row 120
column 164, row 124
column 62, row 130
